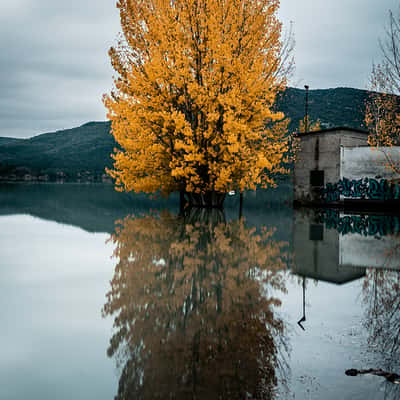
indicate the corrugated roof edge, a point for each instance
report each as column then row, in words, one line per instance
column 340, row 128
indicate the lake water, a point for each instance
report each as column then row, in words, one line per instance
column 108, row 295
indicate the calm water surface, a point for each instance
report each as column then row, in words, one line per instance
column 107, row 295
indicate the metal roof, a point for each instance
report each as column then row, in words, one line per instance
column 328, row 130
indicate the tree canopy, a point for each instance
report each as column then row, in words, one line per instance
column 193, row 100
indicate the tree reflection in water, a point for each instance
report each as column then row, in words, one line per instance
column 193, row 312
column 382, row 319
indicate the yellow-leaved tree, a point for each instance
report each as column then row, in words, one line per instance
column 193, row 101
column 307, row 124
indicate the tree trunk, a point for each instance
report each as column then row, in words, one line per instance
column 207, row 199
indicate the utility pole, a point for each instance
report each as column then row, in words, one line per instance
column 306, row 111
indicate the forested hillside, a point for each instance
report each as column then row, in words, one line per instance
column 82, row 153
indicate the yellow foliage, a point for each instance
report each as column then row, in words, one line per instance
column 192, row 106
column 382, row 116
column 312, row 126
column 382, row 111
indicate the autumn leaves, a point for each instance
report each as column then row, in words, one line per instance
column 192, row 106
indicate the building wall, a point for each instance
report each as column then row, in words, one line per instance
column 362, row 162
column 321, row 152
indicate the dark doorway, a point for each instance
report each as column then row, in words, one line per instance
column 317, row 178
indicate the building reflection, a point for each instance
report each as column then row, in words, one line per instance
column 317, row 250
column 336, row 247
column 195, row 305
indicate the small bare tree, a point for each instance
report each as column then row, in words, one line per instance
column 382, row 108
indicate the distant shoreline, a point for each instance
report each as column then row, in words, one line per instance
column 57, row 178
column 36, row 182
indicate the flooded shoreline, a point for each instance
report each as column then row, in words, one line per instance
column 276, row 305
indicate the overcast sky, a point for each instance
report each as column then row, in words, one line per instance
column 55, row 67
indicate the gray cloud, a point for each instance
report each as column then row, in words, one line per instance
column 336, row 40
column 54, row 65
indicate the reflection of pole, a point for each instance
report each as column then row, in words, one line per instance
column 306, row 111
column 303, row 318
column 182, row 201
column 240, row 205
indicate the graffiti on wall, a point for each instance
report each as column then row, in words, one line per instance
column 365, row 188
column 366, row 225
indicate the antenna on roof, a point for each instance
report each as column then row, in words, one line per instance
column 306, row 111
